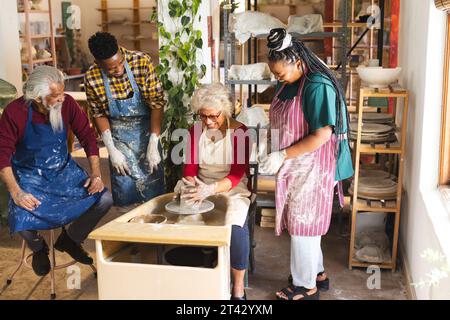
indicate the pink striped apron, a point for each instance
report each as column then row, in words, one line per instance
column 305, row 184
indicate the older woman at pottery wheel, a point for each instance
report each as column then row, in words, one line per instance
column 217, row 163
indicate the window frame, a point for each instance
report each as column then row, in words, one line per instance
column 444, row 165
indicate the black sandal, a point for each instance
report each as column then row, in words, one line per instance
column 296, row 291
column 244, row 297
column 322, row 285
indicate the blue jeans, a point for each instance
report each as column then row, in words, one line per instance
column 79, row 229
column 240, row 246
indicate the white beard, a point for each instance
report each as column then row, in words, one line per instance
column 55, row 117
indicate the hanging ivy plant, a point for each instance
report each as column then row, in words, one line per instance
column 179, row 72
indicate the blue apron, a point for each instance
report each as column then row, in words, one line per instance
column 130, row 122
column 44, row 168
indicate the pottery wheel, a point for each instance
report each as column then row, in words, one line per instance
column 174, row 207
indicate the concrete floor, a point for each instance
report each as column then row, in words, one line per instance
column 272, row 269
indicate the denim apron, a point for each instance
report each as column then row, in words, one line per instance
column 43, row 167
column 130, row 122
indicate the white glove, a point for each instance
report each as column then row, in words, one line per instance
column 263, row 143
column 153, row 157
column 118, row 160
column 202, row 192
column 181, row 183
column 272, row 163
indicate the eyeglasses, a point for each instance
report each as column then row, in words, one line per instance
column 212, row 117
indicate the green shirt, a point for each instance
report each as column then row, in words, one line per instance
column 319, row 108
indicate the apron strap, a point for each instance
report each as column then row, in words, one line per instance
column 281, row 89
column 107, row 88
column 130, row 77
column 30, row 114
column 301, row 84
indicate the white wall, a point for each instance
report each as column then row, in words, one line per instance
column 10, row 66
column 424, row 221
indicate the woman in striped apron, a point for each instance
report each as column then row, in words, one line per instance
column 308, row 118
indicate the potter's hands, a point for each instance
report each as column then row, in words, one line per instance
column 200, row 193
column 188, row 181
column 153, row 157
column 25, row 200
column 272, row 163
column 118, row 160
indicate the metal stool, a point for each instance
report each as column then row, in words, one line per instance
column 24, row 261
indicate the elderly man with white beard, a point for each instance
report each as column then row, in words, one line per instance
column 47, row 188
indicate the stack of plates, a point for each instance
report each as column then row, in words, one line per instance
column 376, row 187
column 381, row 118
column 375, row 173
column 373, row 132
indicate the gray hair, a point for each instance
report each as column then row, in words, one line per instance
column 39, row 81
column 215, row 96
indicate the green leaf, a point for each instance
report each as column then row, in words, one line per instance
column 198, row 43
column 173, row 92
column 195, row 6
column 182, row 54
column 185, row 20
column 164, row 62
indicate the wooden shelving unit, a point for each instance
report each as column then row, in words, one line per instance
column 135, row 24
column 397, row 149
column 231, row 47
column 368, row 50
column 28, row 38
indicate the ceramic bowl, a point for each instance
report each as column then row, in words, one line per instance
column 378, row 77
column 149, row 218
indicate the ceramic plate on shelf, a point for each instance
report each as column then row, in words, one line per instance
column 174, row 207
column 374, row 173
column 376, row 182
column 375, row 188
column 381, row 118
column 375, row 139
column 374, row 128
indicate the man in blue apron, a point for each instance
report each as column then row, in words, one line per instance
column 126, row 100
column 48, row 189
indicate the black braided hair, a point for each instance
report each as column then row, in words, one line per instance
column 297, row 51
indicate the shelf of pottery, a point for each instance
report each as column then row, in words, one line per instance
column 36, row 34
column 378, row 141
